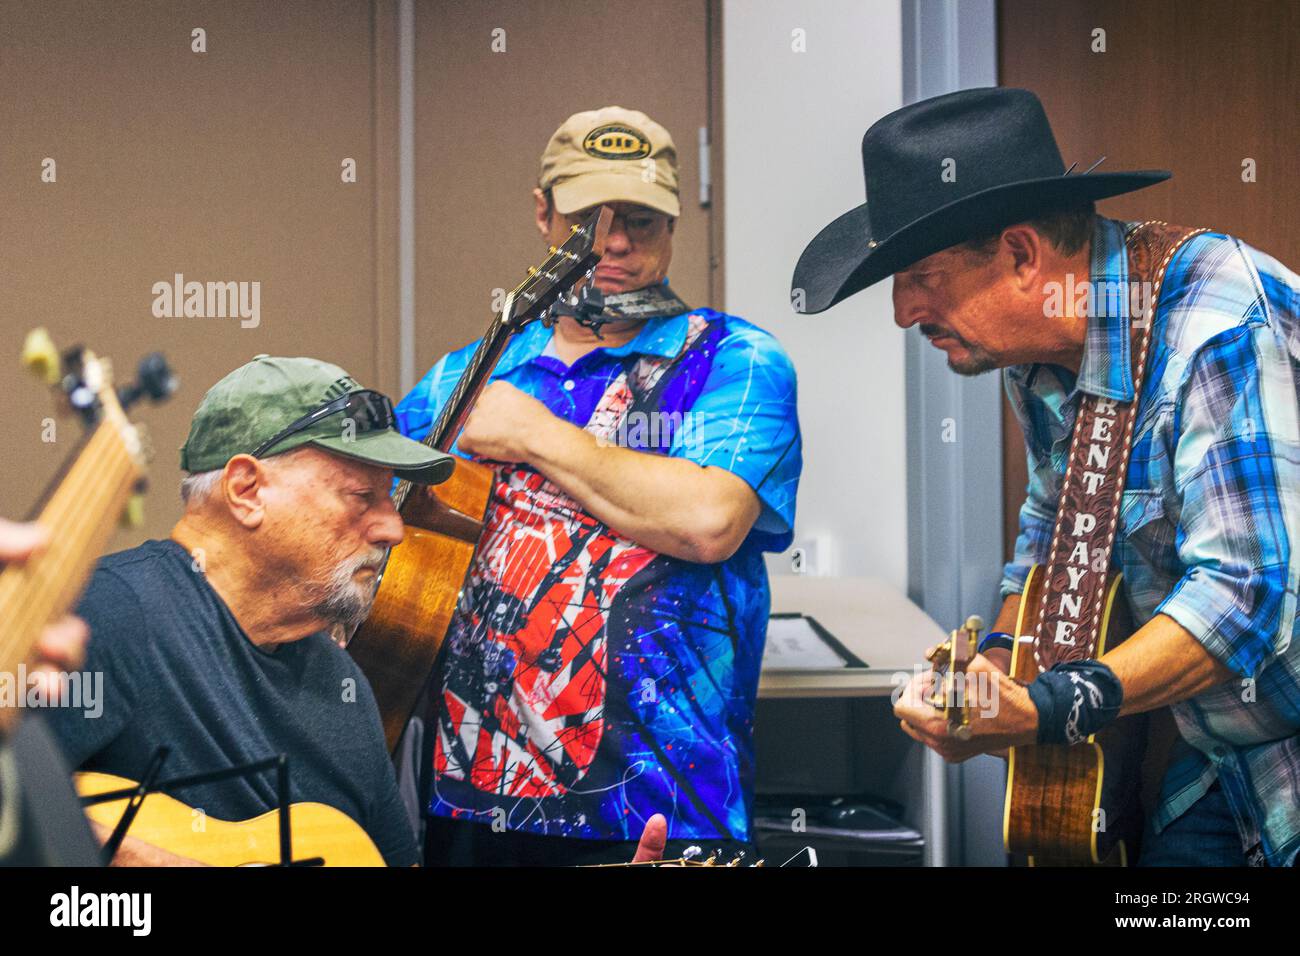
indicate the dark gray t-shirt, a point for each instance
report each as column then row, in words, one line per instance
column 178, row 670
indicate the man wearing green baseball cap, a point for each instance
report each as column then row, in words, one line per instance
column 215, row 642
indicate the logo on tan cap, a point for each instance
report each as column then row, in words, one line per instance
column 611, row 155
column 614, row 141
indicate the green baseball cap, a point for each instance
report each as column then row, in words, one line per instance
column 257, row 402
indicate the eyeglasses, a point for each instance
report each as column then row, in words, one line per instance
column 640, row 226
column 369, row 411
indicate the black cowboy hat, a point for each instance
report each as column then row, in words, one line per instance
column 941, row 172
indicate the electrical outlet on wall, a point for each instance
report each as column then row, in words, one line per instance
column 811, row 556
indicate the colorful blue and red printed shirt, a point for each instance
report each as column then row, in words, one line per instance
column 588, row 682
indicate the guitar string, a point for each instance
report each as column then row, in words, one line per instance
column 28, row 580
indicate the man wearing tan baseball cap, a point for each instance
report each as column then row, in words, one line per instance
column 603, row 662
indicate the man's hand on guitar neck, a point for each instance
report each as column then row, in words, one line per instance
column 62, row 646
column 1000, row 659
column 1002, row 715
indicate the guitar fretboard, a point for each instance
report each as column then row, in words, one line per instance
column 80, row 515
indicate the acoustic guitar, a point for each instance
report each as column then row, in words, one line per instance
column 320, row 833
column 418, row 590
column 948, row 663
column 1079, row 805
column 100, row 485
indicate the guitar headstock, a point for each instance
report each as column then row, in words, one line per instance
column 83, row 382
column 575, row 257
column 692, row 856
column 948, row 663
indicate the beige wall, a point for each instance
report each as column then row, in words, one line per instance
column 223, row 165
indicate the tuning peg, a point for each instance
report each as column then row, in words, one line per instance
column 552, row 249
column 40, row 356
column 532, row 270
column 573, row 230
column 974, row 623
column 154, row 378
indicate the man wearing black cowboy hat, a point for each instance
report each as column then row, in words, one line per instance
column 984, row 230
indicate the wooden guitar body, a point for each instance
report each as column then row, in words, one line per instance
column 1075, row 805
column 397, row 645
column 318, row 830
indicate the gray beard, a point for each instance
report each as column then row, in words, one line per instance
column 339, row 599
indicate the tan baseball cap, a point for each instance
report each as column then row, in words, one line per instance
column 611, row 155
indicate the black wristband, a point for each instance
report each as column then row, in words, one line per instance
column 1075, row 700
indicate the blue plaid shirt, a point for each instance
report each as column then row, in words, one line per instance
column 1210, row 510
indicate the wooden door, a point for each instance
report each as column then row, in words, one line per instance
column 1199, row 87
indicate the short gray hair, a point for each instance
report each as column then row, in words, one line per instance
column 197, row 487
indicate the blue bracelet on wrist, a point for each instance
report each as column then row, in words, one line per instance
column 996, row 639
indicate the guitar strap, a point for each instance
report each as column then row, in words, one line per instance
column 652, row 302
column 1087, row 516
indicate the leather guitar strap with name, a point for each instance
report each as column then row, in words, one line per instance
column 1087, row 517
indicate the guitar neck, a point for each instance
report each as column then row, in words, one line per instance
column 457, row 407
column 80, row 516
column 443, row 434
column 529, row 302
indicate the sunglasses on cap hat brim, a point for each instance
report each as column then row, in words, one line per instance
column 369, row 411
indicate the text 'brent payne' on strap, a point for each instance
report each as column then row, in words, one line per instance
column 1087, row 515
